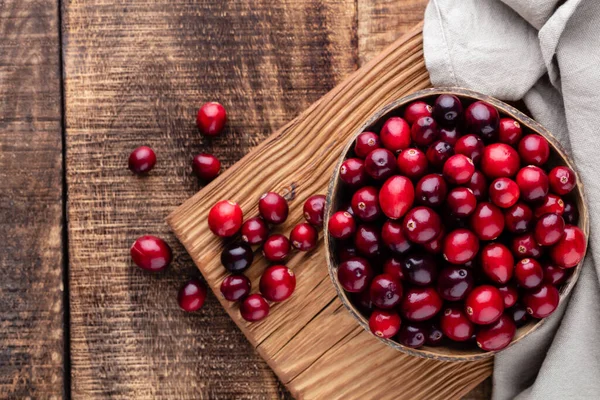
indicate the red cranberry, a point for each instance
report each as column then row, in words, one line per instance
column 460, row 246
column 412, row 163
column 225, row 218
column 509, row 132
column 276, row 248
column 395, row 134
column 142, row 160
column 237, row 256
column 509, row 295
column 478, row 185
column 273, row 208
column 380, row 164
column 497, row 262
column 529, row 273
column 525, row 246
column 254, row 231
column 431, row 190
column 422, row 224
column 367, row 240
column 151, row 253
column 353, row 172
column 424, row 131
column 447, row 110
column 363, row 301
column 386, row 291
column 341, row 225
column 504, row 192
column 498, row 335
column 314, row 209
column 484, row 305
column 487, row 221
column 518, row 218
column 482, row 119
column 534, row 149
column 416, row 110
column 434, row 335
column 435, row 245
column 366, row 142
column 393, row 237
column 347, row 251
column 541, row 302
column 277, row 283
column 393, row 266
column 420, row 304
column 533, row 183
column 235, row 287
column 438, row 153
column 384, row 323
column 471, row 146
column 419, row 269
column 455, row 283
column 411, row 335
column 211, row 118
column 206, row 166
column 518, row 313
column 396, row 196
column 549, row 229
column 551, row 204
column 562, row 180
column 304, row 237
column 355, row 274
column 456, row 325
column 570, row 214
column 458, row 169
column 555, row 275
column 254, row 308
column 570, row 249
column 499, row 160
column 449, row 135
column 192, row 295
column 365, row 204
column 461, row 202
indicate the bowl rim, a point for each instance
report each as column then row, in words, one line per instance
column 523, row 120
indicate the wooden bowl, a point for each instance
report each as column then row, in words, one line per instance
column 336, row 194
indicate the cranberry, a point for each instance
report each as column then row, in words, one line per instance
column 341, row 225
column 151, row 253
column 142, row 160
column 484, row 305
column 314, row 209
column 393, row 267
column 192, row 295
column 424, row 131
column 273, row 208
column 541, row 302
column 438, row 153
column 570, row 249
column 380, row 164
column 420, row 304
column 455, row 283
column 518, row 218
column 416, row 110
column 396, row 197
column 386, row 291
column 551, row 204
column 363, row 301
column 570, row 214
column 471, row 146
column 555, row 275
column 509, row 131
column 526, row 246
column 395, row 134
column 225, row 218
column 487, row 221
column 533, row 183
column 276, row 248
column 518, row 313
column 211, row 119
column 534, row 149
column 384, row 323
column 504, row 192
column 509, row 295
column 355, row 274
column 304, row 237
column 431, row 190
column 449, row 135
column 435, row 245
column 206, row 166
column 254, row 308
column 353, row 173
column 411, row 335
column 562, row 180
column 393, row 237
column 482, row 119
column 412, row 163
column 498, row 335
column 529, row 273
column 419, row 269
column 460, row 246
column 422, row 224
column 347, row 251
column 497, row 262
column 458, row 169
column 447, row 110
column 549, row 229
column 456, row 325
column 367, row 240
column 277, row 283
column 434, row 335
column 478, row 185
column 499, row 160
column 237, row 256
column 461, row 202
column 235, row 287
column 254, row 231
column 365, row 204
column 366, row 142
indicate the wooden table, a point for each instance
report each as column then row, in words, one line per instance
column 82, row 83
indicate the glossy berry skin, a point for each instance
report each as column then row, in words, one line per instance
column 504, row 192
column 365, row 203
column 449, row 135
column 533, row 183
column 386, row 291
column 570, row 213
column 562, row 180
column 455, row 283
column 151, row 253
column 192, row 295
column 471, row 146
column 395, row 134
column 510, row 295
column 497, row 262
column 254, row 308
column 461, row 202
column 551, row 204
column 525, row 246
column 393, row 267
column 304, row 237
column 509, row 131
column 447, row 110
column 276, row 248
column 435, row 245
column 529, row 273
column 456, row 325
column 412, row 163
column 367, row 240
column 458, row 169
column 487, row 221
column 416, row 110
column 570, row 249
column 534, row 149
column 549, row 229
column 424, row 131
column 211, row 118
column 460, row 246
column 393, row 237
column 518, row 313
column 518, row 218
column 438, row 153
column 142, row 160
column 380, row 164
column 483, row 120
column 237, row 256
column 273, row 208
column 366, row 142
column 431, row 190
column 341, row 225
column 353, row 172
column 225, row 218
column 254, row 231
column 499, row 160
column 420, row 304
column 206, row 166
column 484, row 305
column 541, row 302
column 419, row 269
column 396, row 196
column 235, row 287
column 277, row 283
column 496, row 336
column 555, row 275
column 314, row 209
column 422, row 224
column 478, row 185
column 434, row 335
column 411, row 335
column 384, row 323
column 355, row 275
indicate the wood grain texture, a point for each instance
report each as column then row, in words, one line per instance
column 31, row 293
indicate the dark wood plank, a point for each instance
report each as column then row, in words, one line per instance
column 31, row 293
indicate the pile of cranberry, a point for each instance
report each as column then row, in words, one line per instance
column 457, row 229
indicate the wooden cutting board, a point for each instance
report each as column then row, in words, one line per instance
column 311, row 341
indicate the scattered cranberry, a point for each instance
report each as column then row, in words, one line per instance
column 411, row 335
column 304, row 237
column 504, row 192
column 237, row 256
column 455, row 283
column 526, row 246
column 460, row 246
column 225, row 218
column 273, row 208
column 420, row 304
column 277, row 283
column 431, row 190
column 276, row 248
column 393, row 237
column 419, row 268
column 551, row 204
column 499, row 161
column 478, row 185
column 518, row 218
column 458, row 169
column 471, row 146
column 393, row 267
column 367, row 240
column 562, row 180
column 533, row 183
column 206, row 166
column 509, row 295
column 365, row 204
column 142, row 160
column 211, row 118
column 395, row 134
column 254, row 308
column 529, row 273
column 341, row 225
column 447, row 110
column 487, row 221
column 549, row 229
column 353, row 173
column 235, row 287
column 384, row 323
column 570, row 249
column 449, row 135
column 434, row 335
column 534, row 149
column 497, row 262
column 396, row 197
column 151, row 253
column 416, row 110
column 542, row 301
column 555, row 275
column 438, row 153
column 355, row 274
column 192, row 295
column 484, row 305
column 435, row 245
column 483, row 120
column 386, row 291
column 456, row 325
column 509, row 131
column 422, row 224
column 412, row 163
column 380, row 164
column 424, row 131
column 498, row 335
column 254, row 231
column 570, row 214
column 366, row 142
column 314, row 209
